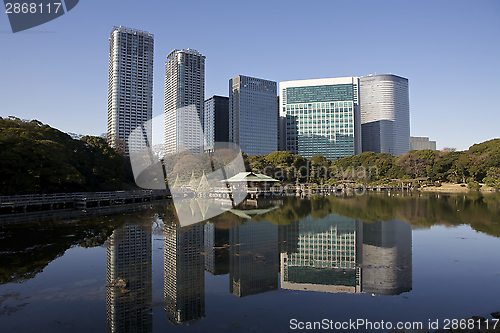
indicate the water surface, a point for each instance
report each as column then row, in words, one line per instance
column 390, row 257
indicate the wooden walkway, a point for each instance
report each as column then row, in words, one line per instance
column 79, row 201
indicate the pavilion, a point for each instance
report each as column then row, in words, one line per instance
column 251, row 180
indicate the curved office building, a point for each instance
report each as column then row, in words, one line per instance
column 385, row 114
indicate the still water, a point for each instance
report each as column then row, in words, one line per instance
column 268, row 266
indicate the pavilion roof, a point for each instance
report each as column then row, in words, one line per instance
column 249, row 177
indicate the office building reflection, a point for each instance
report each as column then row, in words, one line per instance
column 321, row 255
column 387, row 257
column 253, row 258
column 216, row 244
column 128, row 280
column 184, row 285
column 338, row 254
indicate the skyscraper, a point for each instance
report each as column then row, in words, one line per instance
column 130, row 86
column 216, row 124
column 184, row 97
column 385, row 114
column 322, row 117
column 253, row 124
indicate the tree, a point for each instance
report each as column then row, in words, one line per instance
column 35, row 158
column 493, row 177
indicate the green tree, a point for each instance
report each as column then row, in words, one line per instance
column 493, row 177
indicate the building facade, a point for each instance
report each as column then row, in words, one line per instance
column 419, row 143
column 184, row 98
column 130, row 86
column 385, row 114
column 253, row 124
column 216, row 121
column 322, row 117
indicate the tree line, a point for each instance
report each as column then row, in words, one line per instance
column 479, row 164
column 36, row 158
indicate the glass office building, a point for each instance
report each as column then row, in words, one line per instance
column 216, row 123
column 130, row 86
column 322, row 117
column 253, row 123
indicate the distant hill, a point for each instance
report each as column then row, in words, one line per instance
column 36, row 158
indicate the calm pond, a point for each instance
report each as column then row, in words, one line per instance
column 272, row 265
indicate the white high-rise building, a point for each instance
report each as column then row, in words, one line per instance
column 184, row 98
column 130, row 86
column 385, row 114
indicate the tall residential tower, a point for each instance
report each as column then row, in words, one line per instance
column 184, row 97
column 253, row 123
column 130, row 86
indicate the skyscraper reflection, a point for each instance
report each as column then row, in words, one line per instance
column 253, row 259
column 216, row 244
column 339, row 254
column 387, row 257
column 321, row 255
column 128, row 279
column 184, row 285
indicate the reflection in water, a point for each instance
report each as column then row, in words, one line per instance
column 128, row 279
column 184, row 285
column 334, row 254
column 387, row 258
column 321, row 255
column 338, row 254
column 320, row 244
column 216, row 244
column 253, row 260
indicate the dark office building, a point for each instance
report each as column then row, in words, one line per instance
column 216, row 110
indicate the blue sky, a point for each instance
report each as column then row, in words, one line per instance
column 449, row 50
